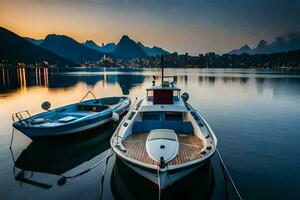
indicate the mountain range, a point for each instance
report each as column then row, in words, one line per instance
column 69, row 48
column 15, row 49
column 128, row 49
column 154, row 51
column 280, row 44
column 107, row 48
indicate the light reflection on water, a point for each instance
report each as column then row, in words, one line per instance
column 255, row 115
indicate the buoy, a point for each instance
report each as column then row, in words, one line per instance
column 115, row 117
column 46, row 105
column 185, row 96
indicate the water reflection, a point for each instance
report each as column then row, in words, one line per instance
column 12, row 79
column 254, row 114
column 60, row 155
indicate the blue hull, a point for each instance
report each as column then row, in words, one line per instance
column 75, row 127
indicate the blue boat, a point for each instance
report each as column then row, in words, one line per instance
column 73, row 118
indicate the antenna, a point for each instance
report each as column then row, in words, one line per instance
column 162, row 68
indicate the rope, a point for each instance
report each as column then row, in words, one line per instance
column 63, row 179
column 89, row 92
column 103, row 173
column 12, row 137
column 228, row 174
column 159, row 190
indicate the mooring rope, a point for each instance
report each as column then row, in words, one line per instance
column 63, row 178
column 104, row 172
column 228, row 174
column 159, row 189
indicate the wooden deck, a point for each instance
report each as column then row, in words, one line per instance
column 189, row 149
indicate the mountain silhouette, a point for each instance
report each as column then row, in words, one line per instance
column 34, row 41
column 14, row 49
column 262, row 47
column 111, row 47
column 107, row 48
column 128, row 49
column 67, row 47
column 154, row 51
column 243, row 49
column 280, row 44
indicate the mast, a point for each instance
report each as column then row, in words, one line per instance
column 162, row 68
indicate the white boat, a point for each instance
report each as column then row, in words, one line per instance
column 73, row 118
column 163, row 138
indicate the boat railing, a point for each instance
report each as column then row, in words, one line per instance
column 135, row 106
column 169, row 78
column 19, row 116
column 89, row 92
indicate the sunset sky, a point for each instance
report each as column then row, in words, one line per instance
column 194, row 26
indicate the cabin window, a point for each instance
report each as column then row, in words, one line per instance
column 150, row 93
column 163, row 97
column 173, row 116
column 150, row 116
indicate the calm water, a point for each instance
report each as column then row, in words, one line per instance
column 255, row 115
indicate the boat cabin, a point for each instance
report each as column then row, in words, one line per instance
column 166, row 93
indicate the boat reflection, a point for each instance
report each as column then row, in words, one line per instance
column 58, row 156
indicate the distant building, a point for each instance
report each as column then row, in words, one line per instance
column 186, row 58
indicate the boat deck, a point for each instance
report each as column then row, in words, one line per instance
column 189, row 149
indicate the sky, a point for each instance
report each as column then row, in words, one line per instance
column 193, row 26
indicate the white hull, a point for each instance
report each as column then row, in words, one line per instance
column 164, row 179
column 163, row 138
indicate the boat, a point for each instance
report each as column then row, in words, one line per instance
column 71, row 119
column 163, row 138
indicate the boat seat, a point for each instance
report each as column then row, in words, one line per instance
column 66, row 119
column 173, row 125
column 184, row 127
column 187, row 128
column 146, row 126
column 39, row 121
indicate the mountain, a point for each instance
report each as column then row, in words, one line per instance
column 34, row 41
column 128, row 49
column 67, row 47
column 154, row 51
column 71, row 49
column 243, row 49
column 280, row 44
column 14, row 49
column 111, row 47
column 261, row 47
column 108, row 48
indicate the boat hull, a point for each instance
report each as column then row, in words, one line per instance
column 163, row 178
column 73, row 128
column 36, row 133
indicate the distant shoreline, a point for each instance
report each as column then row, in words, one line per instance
column 281, row 69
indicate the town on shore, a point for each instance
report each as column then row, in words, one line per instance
column 63, row 51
